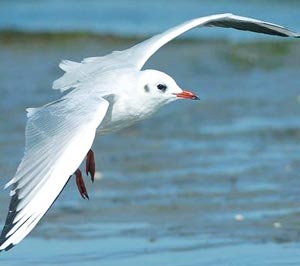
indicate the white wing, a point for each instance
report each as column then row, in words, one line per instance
column 144, row 50
column 136, row 56
column 58, row 137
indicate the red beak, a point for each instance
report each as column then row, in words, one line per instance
column 187, row 95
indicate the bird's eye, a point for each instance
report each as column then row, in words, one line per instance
column 162, row 87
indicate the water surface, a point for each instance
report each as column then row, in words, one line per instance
column 214, row 182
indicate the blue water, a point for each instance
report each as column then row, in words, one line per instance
column 214, row 182
column 137, row 18
column 135, row 252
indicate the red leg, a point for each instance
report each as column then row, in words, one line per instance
column 80, row 184
column 90, row 164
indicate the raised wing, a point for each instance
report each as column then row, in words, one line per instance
column 58, row 137
column 140, row 53
column 136, row 56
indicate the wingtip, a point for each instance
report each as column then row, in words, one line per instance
column 293, row 35
column 10, row 246
column 3, row 245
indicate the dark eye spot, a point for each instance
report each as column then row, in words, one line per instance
column 146, row 88
column 162, row 87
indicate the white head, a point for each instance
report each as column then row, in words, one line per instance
column 161, row 88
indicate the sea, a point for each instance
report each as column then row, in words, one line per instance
column 212, row 182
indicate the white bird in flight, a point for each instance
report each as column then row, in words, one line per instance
column 106, row 94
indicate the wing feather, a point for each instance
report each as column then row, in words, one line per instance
column 58, row 136
column 136, row 56
column 141, row 52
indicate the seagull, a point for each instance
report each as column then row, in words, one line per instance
column 104, row 94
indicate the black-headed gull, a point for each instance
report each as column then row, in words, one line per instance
column 108, row 93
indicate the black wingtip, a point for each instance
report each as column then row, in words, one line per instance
column 8, row 247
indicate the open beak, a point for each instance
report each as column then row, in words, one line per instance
column 187, row 95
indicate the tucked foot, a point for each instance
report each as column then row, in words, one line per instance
column 80, row 184
column 90, row 164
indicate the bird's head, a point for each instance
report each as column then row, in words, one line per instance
column 162, row 88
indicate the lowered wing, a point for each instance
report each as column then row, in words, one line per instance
column 58, row 137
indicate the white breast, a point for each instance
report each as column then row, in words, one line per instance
column 125, row 110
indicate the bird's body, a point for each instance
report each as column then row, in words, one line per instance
column 126, row 105
column 106, row 94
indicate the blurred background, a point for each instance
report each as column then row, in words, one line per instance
column 214, row 182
